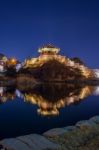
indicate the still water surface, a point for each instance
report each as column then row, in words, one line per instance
column 34, row 110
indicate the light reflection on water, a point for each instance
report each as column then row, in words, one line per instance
column 47, row 101
column 50, row 97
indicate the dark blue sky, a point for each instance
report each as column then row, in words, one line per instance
column 72, row 25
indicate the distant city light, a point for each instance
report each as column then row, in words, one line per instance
column 96, row 72
column 18, row 67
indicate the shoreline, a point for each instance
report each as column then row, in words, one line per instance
column 83, row 135
column 10, row 81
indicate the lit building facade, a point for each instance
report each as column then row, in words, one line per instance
column 3, row 61
column 96, row 73
column 48, row 50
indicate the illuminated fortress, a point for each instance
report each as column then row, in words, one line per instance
column 50, row 52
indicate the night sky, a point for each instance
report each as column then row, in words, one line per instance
column 72, row 25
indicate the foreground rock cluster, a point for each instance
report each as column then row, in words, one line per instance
column 83, row 136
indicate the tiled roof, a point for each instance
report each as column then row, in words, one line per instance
column 48, row 46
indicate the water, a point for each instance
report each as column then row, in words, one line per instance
column 26, row 110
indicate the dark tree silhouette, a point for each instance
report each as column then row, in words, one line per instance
column 77, row 60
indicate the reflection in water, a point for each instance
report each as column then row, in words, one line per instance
column 96, row 91
column 6, row 94
column 49, row 97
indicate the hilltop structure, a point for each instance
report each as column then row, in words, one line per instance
column 49, row 52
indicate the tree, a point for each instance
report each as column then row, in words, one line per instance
column 77, row 60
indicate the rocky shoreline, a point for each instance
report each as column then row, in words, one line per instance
column 84, row 135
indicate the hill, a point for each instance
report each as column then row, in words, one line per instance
column 53, row 70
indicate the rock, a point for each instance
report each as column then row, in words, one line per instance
column 29, row 142
column 85, row 124
column 54, row 132
column 38, row 142
column 14, row 144
column 95, row 119
column 69, row 128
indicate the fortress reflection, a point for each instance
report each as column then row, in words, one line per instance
column 49, row 98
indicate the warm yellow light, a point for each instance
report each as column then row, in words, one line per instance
column 12, row 61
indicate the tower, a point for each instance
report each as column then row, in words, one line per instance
column 48, row 50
